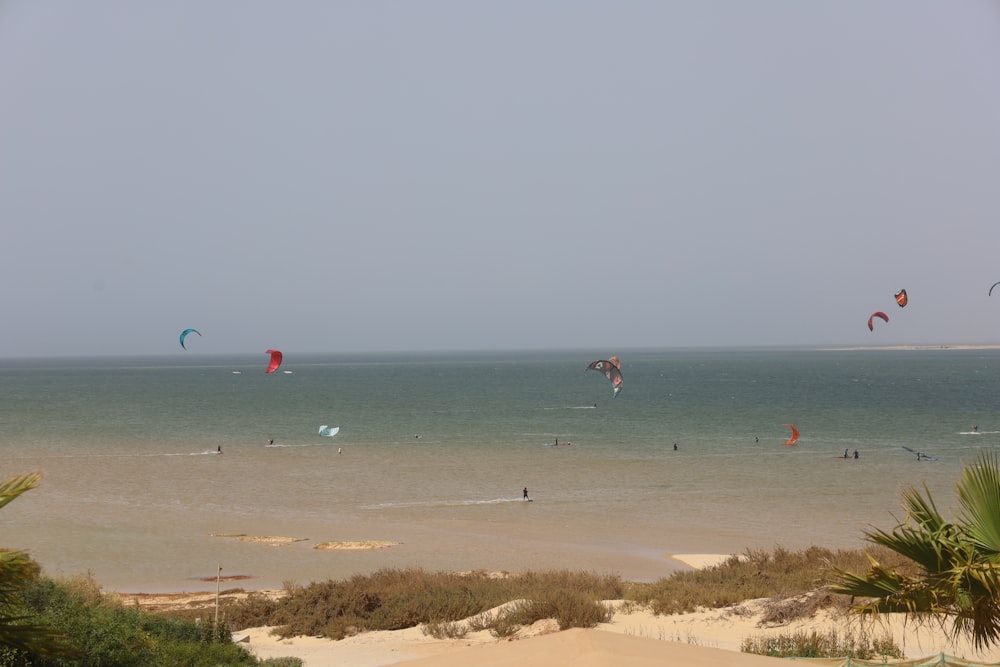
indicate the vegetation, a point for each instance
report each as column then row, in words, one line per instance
column 106, row 633
column 781, row 575
column 925, row 567
column 393, row 599
column 19, row 631
column 445, row 605
column 823, row 645
column 48, row 623
column 958, row 575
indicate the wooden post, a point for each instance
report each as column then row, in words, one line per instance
column 218, row 586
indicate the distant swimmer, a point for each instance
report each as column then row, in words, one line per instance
column 219, row 450
column 675, row 446
column 856, row 455
column 756, row 440
column 270, row 443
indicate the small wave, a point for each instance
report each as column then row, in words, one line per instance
column 439, row 503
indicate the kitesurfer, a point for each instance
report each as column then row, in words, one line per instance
column 270, row 443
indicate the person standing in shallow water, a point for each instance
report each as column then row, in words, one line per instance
column 526, row 493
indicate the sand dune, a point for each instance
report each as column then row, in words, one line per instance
column 634, row 638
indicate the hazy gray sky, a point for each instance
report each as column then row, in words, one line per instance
column 450, row 175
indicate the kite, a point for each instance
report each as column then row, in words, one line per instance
column 275, row 361
column 185, row 333
column 795, row 435
column 871, row 325
column 611, row 369
column 328, row 431
column 991, row 289
column 901, row 298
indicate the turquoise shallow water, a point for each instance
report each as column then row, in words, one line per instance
column 434, row 450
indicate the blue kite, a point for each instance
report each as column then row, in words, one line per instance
column 185, row 333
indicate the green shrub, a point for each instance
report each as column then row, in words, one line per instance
column 823, row 645
column 109, row 634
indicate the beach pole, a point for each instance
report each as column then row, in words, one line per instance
column 218, row 586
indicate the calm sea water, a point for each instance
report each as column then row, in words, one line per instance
column 434, row 451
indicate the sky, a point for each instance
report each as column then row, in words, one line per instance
column 364, row 176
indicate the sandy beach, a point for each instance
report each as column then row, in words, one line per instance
column 633, row 638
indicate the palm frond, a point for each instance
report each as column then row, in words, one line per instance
column 960, row 561
column 979, row 495
column 12, row 488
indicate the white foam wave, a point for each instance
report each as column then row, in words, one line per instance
column 440, row 503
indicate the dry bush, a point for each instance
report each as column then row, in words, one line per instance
column 570, row 609
column 504, row 627
column 255, row 606
column 780, row 574
column 85, row 588
column 395, row 599
column 444, row 630
column 780, row 610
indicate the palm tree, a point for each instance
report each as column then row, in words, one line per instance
column 958, row 562
column 17, row 570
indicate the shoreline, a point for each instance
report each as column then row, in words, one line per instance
column 868, row 348
column 248, row 583
column 161, row 599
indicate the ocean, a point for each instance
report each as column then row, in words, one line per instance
column 434, row 451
